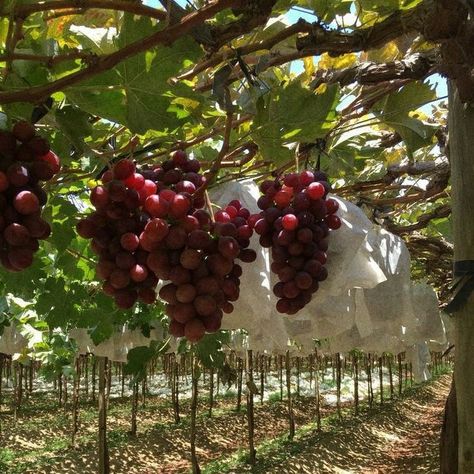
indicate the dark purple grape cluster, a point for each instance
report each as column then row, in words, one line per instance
column 295, row 222
column 149, row 225
column 25, row 162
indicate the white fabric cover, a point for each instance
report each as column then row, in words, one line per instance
column 12, row 341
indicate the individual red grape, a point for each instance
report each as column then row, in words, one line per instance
column 129, row 241
column 333, row 222
column 16, row 235
column 123, row 169
column 53, row 161
column 194, row 330
column 26, row 202
column 315, row 190
column 23, row 131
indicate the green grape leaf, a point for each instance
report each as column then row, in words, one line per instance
column 394, row 110
column 290, row 115
column 209, row 349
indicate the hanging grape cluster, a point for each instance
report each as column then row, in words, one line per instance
column 150, row 226
column 295, row 222
column 26, row 161
column 204, row 278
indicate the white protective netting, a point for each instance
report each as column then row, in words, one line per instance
column 367, row 302
column 12, row 341
column 117, row 346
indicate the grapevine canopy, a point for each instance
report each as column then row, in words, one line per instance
column 352, row 86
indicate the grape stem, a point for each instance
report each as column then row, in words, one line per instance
column 209, row 205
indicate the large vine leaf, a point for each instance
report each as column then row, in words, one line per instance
column 290, row 115
column 137, row 92
column 394, row 110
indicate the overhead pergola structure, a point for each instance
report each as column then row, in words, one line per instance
column 233, row 85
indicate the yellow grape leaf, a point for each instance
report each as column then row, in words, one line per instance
column 3, row 31
column 394, row 157
column 321, row 89
column 309, row 66
column 186, row 103
column 418, row 114
column 368, row 18
column 340, row 62
column 389, row 52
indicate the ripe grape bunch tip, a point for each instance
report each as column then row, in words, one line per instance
column 295, row 222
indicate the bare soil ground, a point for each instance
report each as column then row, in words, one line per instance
column 400, row 437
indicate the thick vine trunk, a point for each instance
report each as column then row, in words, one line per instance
column 240, row 370
column 461, row 145
column 133, row 428
column 356, row 383
column 250, row 412
column 400, row 375
column 291, row 416
column 211, row 390
column 381, row 379
column 104, row 467
column 194, row 401
column 75, row 402
column 316, row 391
column 338, row 385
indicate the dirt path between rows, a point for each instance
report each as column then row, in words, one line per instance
column 400, row 438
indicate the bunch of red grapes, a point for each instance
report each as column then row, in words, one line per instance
column 200, row 265
column 150, row 226
column 25, row 162
column 295, row 222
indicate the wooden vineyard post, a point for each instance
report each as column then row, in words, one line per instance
column 250, row 412
column 108, row 378
column 298, row 368
column 211, row 390
column 144, row 389
column 94, row 374
column 461, row 142
column 133, row 428
column 30, row 377
column 122, row 381
column 291, row 418
column 86, row 375
column 15, row 391
column 390, row 375
column 104, row 464
column 356, row 382
column 370, row 393
column 280, row 367
column 75, row 402
column 175, row 388
column 310, row 368
column 65, row 392
column 20, row 385
column 400, row 374
column 262, row 378
column 338, row 384
column 240, row 370
column 381, row 379
column 194, row 401
column 316, row 391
